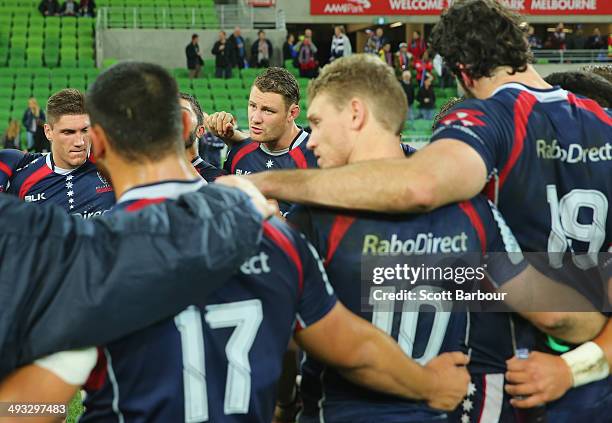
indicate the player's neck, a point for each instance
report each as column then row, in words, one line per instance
column 375, row 143
column 487, row 86
column 192, row 152
column 126, row 175
column 285, row 140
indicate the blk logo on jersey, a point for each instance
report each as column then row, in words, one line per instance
column 35, row 197
column 464, row 117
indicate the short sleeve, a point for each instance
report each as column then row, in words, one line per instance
column 482, row 124
column 9, row 162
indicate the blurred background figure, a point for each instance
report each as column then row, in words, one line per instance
column 408, row 87
column 238, row 46
column 533, row 40
column 417, row 45
column 427, row 99
column 306, row 59
column 11, row 136
column 403, row 59
column 386, row 55
column 423, row 67
column 87, row 8
column 33, row 120
column 556, row 40
column 194, row 58
column 49, row 8
column 223, row 57
column 69, row 8
column 341, row 45
column 370, row 45
column 261, row 51
column 379, row 39
column 289, row 52
column 596, row 41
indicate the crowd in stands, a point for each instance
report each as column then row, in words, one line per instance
column 67, row 8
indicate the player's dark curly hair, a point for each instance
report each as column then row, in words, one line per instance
column 481, row 35
column 586, row 84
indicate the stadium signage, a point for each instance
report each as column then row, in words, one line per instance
column 435, row 7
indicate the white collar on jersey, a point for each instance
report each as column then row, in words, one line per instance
column 55, row 168
column 169, row 189
column 294, row 144
column 542, row 95
column 197, row 161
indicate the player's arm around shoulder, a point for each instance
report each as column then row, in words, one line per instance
column 366, row 356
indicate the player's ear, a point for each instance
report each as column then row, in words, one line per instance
column 200, row 131
column 186, row 119
column 98, row 142
column 294, row 111
column 358, row 111
column 48, row 132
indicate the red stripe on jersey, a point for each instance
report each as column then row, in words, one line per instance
column 97, row 377
column 591, row 106
column 7, row 170
column 283, row 242
column 336, row 233
column 298, row 157
column 484, row 397
column 522, row 109
column 469, row 209
column 33, row 179
column 140, row 204
column 243, row 152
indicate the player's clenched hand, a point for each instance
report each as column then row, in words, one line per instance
column 265, row 207
column 450, row 380
column 541, row 378
column 221, row 124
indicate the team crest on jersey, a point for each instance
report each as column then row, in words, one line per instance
column 465, row 117
column 105, row 187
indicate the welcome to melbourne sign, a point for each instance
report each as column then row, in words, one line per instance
column 435, row 7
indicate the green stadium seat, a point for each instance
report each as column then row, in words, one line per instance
column 234, row 83
column 22, row 91
column 217, row 85
column 69, row 61
column 68, row 22
column 107, row 63
column 17, row 62
column 23, row 78
column 7, row 72
column 180, row 73
column 248, row 75
column 92, row 74
column 40, row 73
column 86, row 62
column 34, row 61
column 6, row 82
column 41, row 83
column 40, row 92
column 200, row 83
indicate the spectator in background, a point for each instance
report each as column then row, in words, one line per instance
column 87, row 8
column 49, row 8
column 307, row 36
column 306, row 59
column 556, row 40
column 427, row 99
column 380, row 39
column 261, row 51
column 341, row 45
column 33, row 121
column 69, row 8
column 386, row 55
column 370, row 45
column 11, row 136
column 533, row 40
column 289, row 52
column 596, row 41
column 443, row 72
column 223, row 57
column 403, row 59
column 417, row 45
column 577, row 40
column 238, row 46
column 423, row 67
column 194, row 58
column 408, row 88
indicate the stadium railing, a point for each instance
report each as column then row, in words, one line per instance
column 571, row 56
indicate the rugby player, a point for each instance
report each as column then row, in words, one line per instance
column 348, row 91
column 274, row 140
column 512, row 141
column 219, row 359
column 204, row 169
column 65, row 176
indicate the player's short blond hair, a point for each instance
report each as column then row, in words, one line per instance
column 367, row 77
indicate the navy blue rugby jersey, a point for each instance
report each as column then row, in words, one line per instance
column 9, row 162
column 206, row 170
column 250, row 157
column 82, row 191
column 218, row 361
column 548, row 154
column 344, row 240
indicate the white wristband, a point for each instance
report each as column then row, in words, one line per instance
column 73, row 367
column 587, row 363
